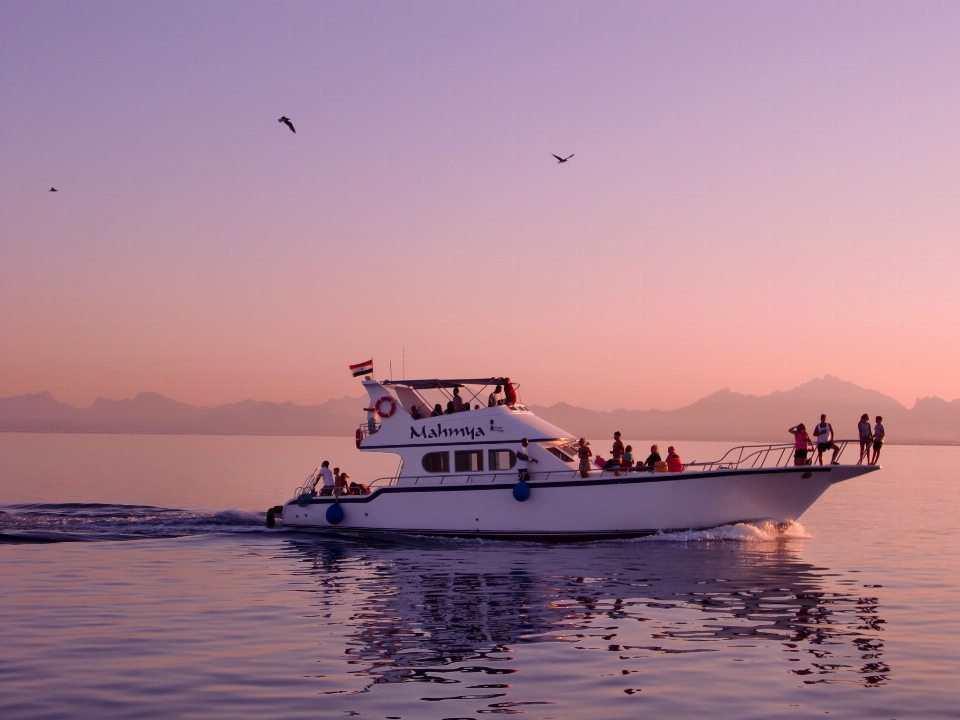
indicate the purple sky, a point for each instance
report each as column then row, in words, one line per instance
column 760, row 193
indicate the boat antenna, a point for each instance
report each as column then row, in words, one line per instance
column 391, row 371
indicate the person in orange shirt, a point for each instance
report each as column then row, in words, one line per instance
column 674, row 463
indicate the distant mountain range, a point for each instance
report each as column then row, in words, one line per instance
column 726, row 415
column 723, row 415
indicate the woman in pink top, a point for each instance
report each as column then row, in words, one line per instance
column 801, row 444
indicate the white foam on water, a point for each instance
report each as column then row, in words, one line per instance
column 741, row 532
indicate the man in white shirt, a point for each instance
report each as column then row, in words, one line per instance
column 824, row 434
column 524, row 460
column 327, row 477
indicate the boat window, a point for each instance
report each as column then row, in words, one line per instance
column 502, row 459
column 436, row 462
column 560, row 454
column 468, row 460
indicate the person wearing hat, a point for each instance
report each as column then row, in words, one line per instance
column 674, row 463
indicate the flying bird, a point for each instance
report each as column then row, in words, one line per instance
column 563, row 160
column 52, row 190
column 286, row 121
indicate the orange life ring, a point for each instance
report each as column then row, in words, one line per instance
column 391, row 406
column 359, row 436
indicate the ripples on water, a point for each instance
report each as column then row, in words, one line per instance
column 65, row 522
column 730, row 622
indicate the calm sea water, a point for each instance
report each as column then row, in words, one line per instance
column 137, row 580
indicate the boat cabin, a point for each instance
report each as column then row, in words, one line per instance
column 472, row 445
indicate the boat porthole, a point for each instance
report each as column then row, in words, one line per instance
column 806, row 475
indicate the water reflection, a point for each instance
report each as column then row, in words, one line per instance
column 455, row 612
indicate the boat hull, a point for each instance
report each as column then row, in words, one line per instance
column 631, row 505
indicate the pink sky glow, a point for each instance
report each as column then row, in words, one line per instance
column 761, row 193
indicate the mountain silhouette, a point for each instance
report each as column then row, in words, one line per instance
column 728, row 415
column 723, row 415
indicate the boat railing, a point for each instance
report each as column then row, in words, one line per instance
column 761, row 456
column 309, row 485
column 737, row 458
column 367, row 428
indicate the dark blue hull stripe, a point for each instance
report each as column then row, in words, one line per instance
column 488, row 535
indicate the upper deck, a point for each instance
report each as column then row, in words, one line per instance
column 391, row 424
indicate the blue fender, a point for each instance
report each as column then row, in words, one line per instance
column 334, row 514
column 521, row 491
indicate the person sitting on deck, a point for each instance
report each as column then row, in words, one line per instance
column 584, row 453
column 801, row 444
column 653, row 458
column 450, row 408
column 355, row 488
column 494, row 398
column 674, row 463
column 626, row 462
column 414, row 413
column 458, row 401
column 437, row 411
column 510, row 392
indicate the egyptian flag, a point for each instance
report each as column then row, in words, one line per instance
column 365, row 368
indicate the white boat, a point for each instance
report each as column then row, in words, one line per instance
column 458, row 477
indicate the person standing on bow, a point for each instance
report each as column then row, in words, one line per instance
column 801, row 443
column 524, row 460
column 584, row 453
column 863, row 429
column 878, row 435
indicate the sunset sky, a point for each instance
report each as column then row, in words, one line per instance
column 761, row 193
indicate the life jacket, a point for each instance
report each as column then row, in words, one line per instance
column 674, row 463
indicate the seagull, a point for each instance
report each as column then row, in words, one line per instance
column 563, row 160
column 286, row 121
column 52, row 190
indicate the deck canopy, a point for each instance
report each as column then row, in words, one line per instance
column 430, row 384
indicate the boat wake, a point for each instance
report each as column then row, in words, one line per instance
column 79, row 522
column 741, row 532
